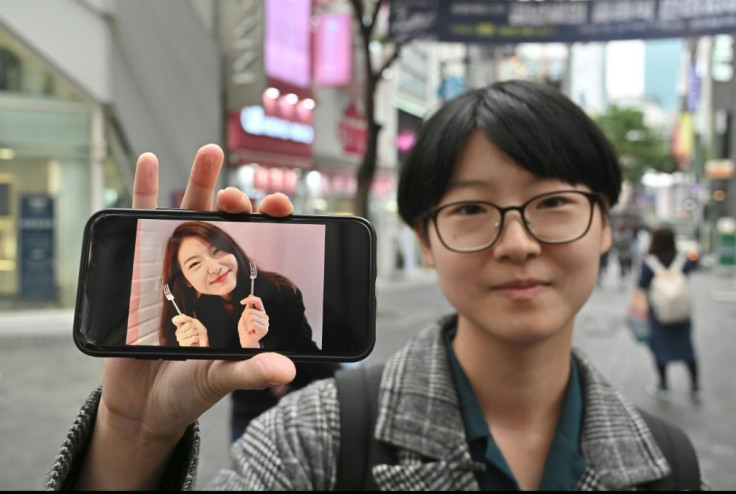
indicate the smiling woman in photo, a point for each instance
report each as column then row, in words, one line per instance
column 209, row 276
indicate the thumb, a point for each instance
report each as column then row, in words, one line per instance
column 258, row 372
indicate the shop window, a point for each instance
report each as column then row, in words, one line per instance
column 9, row 71
column 22, row 71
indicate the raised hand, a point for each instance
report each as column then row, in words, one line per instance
column 253, row 323
column 147, row 405
column 190, row 331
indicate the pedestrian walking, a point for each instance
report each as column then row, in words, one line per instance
column 663, row 276
column 508, row 189
column 625, row 247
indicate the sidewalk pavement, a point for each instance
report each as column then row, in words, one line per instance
column 629, row 366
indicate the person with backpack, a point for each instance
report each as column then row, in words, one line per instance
column 508, row 189
column 664, row 276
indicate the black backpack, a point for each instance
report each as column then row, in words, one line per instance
column 357, row 391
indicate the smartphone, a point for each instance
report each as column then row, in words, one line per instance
column 179, row 284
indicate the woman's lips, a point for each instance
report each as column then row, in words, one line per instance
column 521, row 290
column 221, row 278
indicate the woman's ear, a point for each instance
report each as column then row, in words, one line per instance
column 606, row 234
column 423, row 239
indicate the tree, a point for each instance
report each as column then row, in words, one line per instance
column 639, row 146
column 367, row 169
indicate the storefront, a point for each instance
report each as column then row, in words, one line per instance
column 57, row 166
column 270, row 144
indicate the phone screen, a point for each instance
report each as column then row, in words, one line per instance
column 171, row 284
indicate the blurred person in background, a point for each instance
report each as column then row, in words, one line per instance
column 625, row 247
column 668, row 341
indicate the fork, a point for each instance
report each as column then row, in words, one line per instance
column 253, row 274
column 170, row 297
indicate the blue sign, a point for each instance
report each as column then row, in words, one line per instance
column 693, row 90
column 36, row 225
column 515, row 21
column 450, row 87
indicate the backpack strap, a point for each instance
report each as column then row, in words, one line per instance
column 680, row 454
column 676, row 265
column 357, row 392
column 679, row 262
column 654, row 263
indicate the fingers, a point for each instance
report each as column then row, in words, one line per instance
column 180, row 319
column 254, row 320
column 189, row 331
column 232, row 200
column 186, row 334
column 200, row 189
column 256, row 323
column 254, row 302
column 145, row 183
column 259, row 372
column 277, row 205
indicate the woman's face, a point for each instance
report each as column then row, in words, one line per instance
column 208, row 270
column 518, row 291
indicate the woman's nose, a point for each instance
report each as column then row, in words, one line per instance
column 213, row 267
column 515, row 242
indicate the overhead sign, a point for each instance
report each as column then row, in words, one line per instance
column 514, row 21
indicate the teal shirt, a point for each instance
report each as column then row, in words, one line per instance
column 564, row 466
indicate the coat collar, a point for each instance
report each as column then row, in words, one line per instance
column 419, row 414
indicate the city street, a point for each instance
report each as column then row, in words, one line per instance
column 44, row 379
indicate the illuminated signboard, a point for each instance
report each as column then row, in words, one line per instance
column 516, row 21
column 255, row 121
column 333, row 58
column 287, row 41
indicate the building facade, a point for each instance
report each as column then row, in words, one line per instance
column 85, row 87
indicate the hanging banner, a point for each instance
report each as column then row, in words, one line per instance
column 333, row 56
column 514, row 21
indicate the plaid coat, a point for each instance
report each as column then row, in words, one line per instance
column 294, row 446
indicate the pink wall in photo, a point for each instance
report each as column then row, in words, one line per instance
column 296, row 251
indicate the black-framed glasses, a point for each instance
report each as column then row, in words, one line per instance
column 557, row 217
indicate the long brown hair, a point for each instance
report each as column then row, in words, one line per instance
column 662, row 244
column 185, row 295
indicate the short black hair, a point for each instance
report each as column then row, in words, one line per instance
column 537, row 126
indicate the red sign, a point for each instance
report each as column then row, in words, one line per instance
column 353, row 130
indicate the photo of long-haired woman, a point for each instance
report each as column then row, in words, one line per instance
column 210, row 289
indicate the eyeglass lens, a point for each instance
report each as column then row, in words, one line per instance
column 551, row 218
